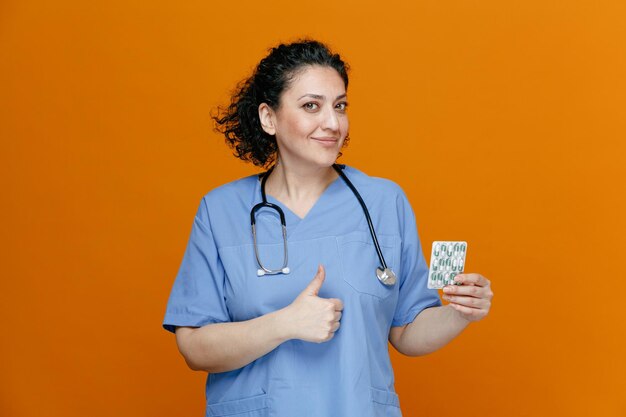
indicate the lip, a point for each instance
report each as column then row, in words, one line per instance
column 326, row 139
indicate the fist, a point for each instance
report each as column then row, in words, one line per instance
column 312, row 318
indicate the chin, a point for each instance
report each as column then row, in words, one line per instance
column 318, row 160
column 330, row 160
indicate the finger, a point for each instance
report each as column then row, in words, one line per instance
column 335, row 327
column 468, row 290
column 337, row 315
column 327, row 337
column 470, row 313
column 471, row 302
column 337, row 302
column 472, row 279
column 483, row 293
column 316, row 283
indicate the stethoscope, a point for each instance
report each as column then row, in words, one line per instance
column 384, row 274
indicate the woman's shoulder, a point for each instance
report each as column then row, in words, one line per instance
column 241, row 188
column 371, row 184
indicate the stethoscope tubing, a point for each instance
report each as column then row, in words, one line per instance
column 264, row 203
column 284, row 269
column 343, row 176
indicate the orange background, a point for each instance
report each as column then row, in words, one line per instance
column 503, row 121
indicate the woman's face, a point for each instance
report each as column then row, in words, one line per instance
column 311, row 123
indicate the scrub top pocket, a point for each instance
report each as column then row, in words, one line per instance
column 359, row 262
column 246, row 407
column 248, row 295
column 386, row 403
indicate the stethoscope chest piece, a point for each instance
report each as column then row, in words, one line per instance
column 260, row 272
column 386, row 276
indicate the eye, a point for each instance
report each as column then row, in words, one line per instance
column 342, row 106
column 310, row 105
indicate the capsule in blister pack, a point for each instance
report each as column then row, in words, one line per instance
column 447, row 260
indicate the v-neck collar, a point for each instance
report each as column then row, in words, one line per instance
column 292, row 219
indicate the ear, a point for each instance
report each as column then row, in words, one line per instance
column 266, row 116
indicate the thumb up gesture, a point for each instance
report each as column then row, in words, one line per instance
column 312, row 318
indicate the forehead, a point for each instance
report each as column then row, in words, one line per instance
column 317, row 80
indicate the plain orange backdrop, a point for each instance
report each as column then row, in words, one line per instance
column 504, row 122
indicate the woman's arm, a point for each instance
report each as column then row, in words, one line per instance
column 432, row 329
column 435, row 327
column 222, row 347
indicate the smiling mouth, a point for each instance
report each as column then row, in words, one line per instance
column 326, row 140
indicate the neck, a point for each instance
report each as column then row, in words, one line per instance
column 299, row 184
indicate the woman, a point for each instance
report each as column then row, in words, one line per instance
column 299, row 327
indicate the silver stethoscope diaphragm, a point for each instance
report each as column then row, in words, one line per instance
column 386, row 276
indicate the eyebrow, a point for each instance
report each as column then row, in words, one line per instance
column 319, row 97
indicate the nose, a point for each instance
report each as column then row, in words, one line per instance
column 330, row 119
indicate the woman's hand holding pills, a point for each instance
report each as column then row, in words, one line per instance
column 471, row 297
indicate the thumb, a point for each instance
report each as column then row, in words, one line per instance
column 316, row 283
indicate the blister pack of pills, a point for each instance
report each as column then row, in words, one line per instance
column 447, row 260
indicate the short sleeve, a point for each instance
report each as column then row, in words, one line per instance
column 197, row 296
column 414, row 294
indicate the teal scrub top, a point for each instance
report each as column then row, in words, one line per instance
column 349, row 375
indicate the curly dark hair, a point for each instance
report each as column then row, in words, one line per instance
column 240, row 123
